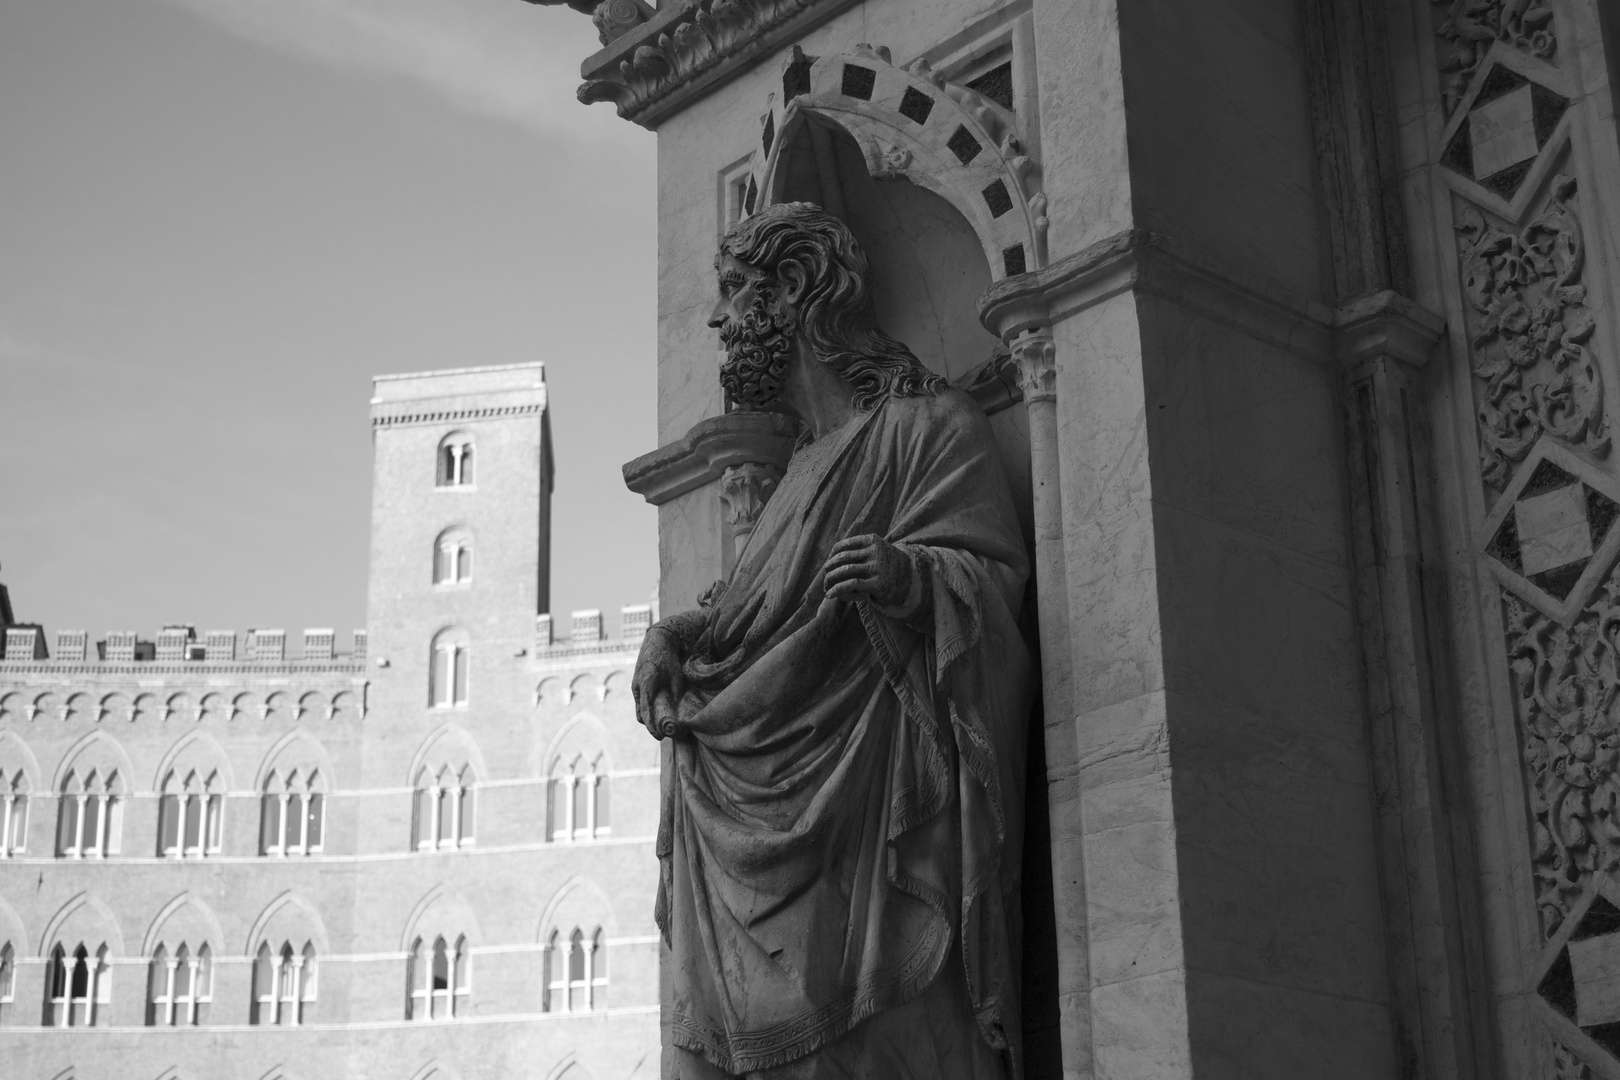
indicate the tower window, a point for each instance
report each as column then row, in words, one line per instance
column 453, row 558
column 576, row 972
column 451, row 660
column 455, row 467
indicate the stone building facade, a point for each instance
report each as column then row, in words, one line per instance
column 429, row 855
column 1295, row 319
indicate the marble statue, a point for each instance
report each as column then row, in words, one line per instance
column 842, row 799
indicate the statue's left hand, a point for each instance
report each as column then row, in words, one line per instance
column 868, row 567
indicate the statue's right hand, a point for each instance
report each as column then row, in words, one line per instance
column 659, row 681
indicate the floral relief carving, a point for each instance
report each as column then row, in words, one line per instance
column 1566, row 1066
column 1567, row 680
column 1468, row 28
column 1528, row 329
column 700, row 38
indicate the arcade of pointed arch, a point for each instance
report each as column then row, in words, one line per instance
column 183, row 706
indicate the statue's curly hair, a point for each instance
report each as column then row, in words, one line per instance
column 836, row 313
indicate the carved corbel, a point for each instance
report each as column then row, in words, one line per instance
column 615, row 18
column 745, row 489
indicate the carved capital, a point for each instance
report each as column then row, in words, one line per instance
column 1036, row 356
column 745, row 489
column 615, row 18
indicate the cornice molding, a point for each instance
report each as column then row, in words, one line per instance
column 499, row 412
column 691, row 47
column 1382, row 324
column 708, row 450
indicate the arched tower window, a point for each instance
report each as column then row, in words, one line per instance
column 453, row 557
column 78, row 987
column 451, row 664
column 284, row 985
column 436, row 980
column 597, row 964
column 180, row 986
column 292, row 818
column 444, row 809
column 13, row 813
column 455, row 460
column 191, row 815
column 90, row 815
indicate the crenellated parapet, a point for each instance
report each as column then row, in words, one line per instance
column 177, row 644
column 587, row 636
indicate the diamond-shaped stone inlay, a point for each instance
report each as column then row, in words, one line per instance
column 1582, row 980
column 1507, row 126
column 1553, row 535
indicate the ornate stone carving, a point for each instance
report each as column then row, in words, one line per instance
column 745, row 489
column 615, row 18
column 1036, row 356
column 1566, row 1066
column 1529, row 325
column 690, row 42
column 1468, row 28
column 1567, row 680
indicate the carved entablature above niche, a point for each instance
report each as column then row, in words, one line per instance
column 688, row 47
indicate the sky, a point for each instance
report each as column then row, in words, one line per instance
column 220, row 218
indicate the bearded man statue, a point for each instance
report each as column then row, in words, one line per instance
column 842, row 803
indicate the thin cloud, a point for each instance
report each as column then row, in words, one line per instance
column 498, row 58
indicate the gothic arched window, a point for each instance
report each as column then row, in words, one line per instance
column 455, row 466
column 8, row 979
column 78, row 987
column 575, row 973
column 180, row 986
column 451, row 659
column 580, row 802
column 13, row 813
column 444, row 809
column 90, row 816
column 436, row 980
column 283, row 985
column 292, row 818
column 191, row 815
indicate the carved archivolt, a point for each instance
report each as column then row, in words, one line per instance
column 913, row 124
column 1528, row 328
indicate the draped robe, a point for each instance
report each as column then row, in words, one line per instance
column 842, row 817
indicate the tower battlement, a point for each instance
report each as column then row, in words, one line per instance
column 177, row 643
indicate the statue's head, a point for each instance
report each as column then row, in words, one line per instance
column 794, row 271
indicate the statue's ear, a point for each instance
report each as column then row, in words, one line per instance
column 795, row 280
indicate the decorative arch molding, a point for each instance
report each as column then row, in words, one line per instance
column 283, row 747
column 570, row 1067
column 452, row 901
column 275, row 907
column 280, row 1072
column 65, row 1074
column 448, row 732
column 154, row 933
column 89, row 744
column 11, row 929
column 912, row 124
column 560, row 741
column 435, row 1069
column 14, row 748
column 210, row 746
column 53, row 929
column 606, row 917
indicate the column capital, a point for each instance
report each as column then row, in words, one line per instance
column 1035, row 353
column 1385, row 324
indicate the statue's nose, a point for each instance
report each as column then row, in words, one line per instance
column 717, row 317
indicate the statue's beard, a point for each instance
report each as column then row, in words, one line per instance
column 759, row 346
